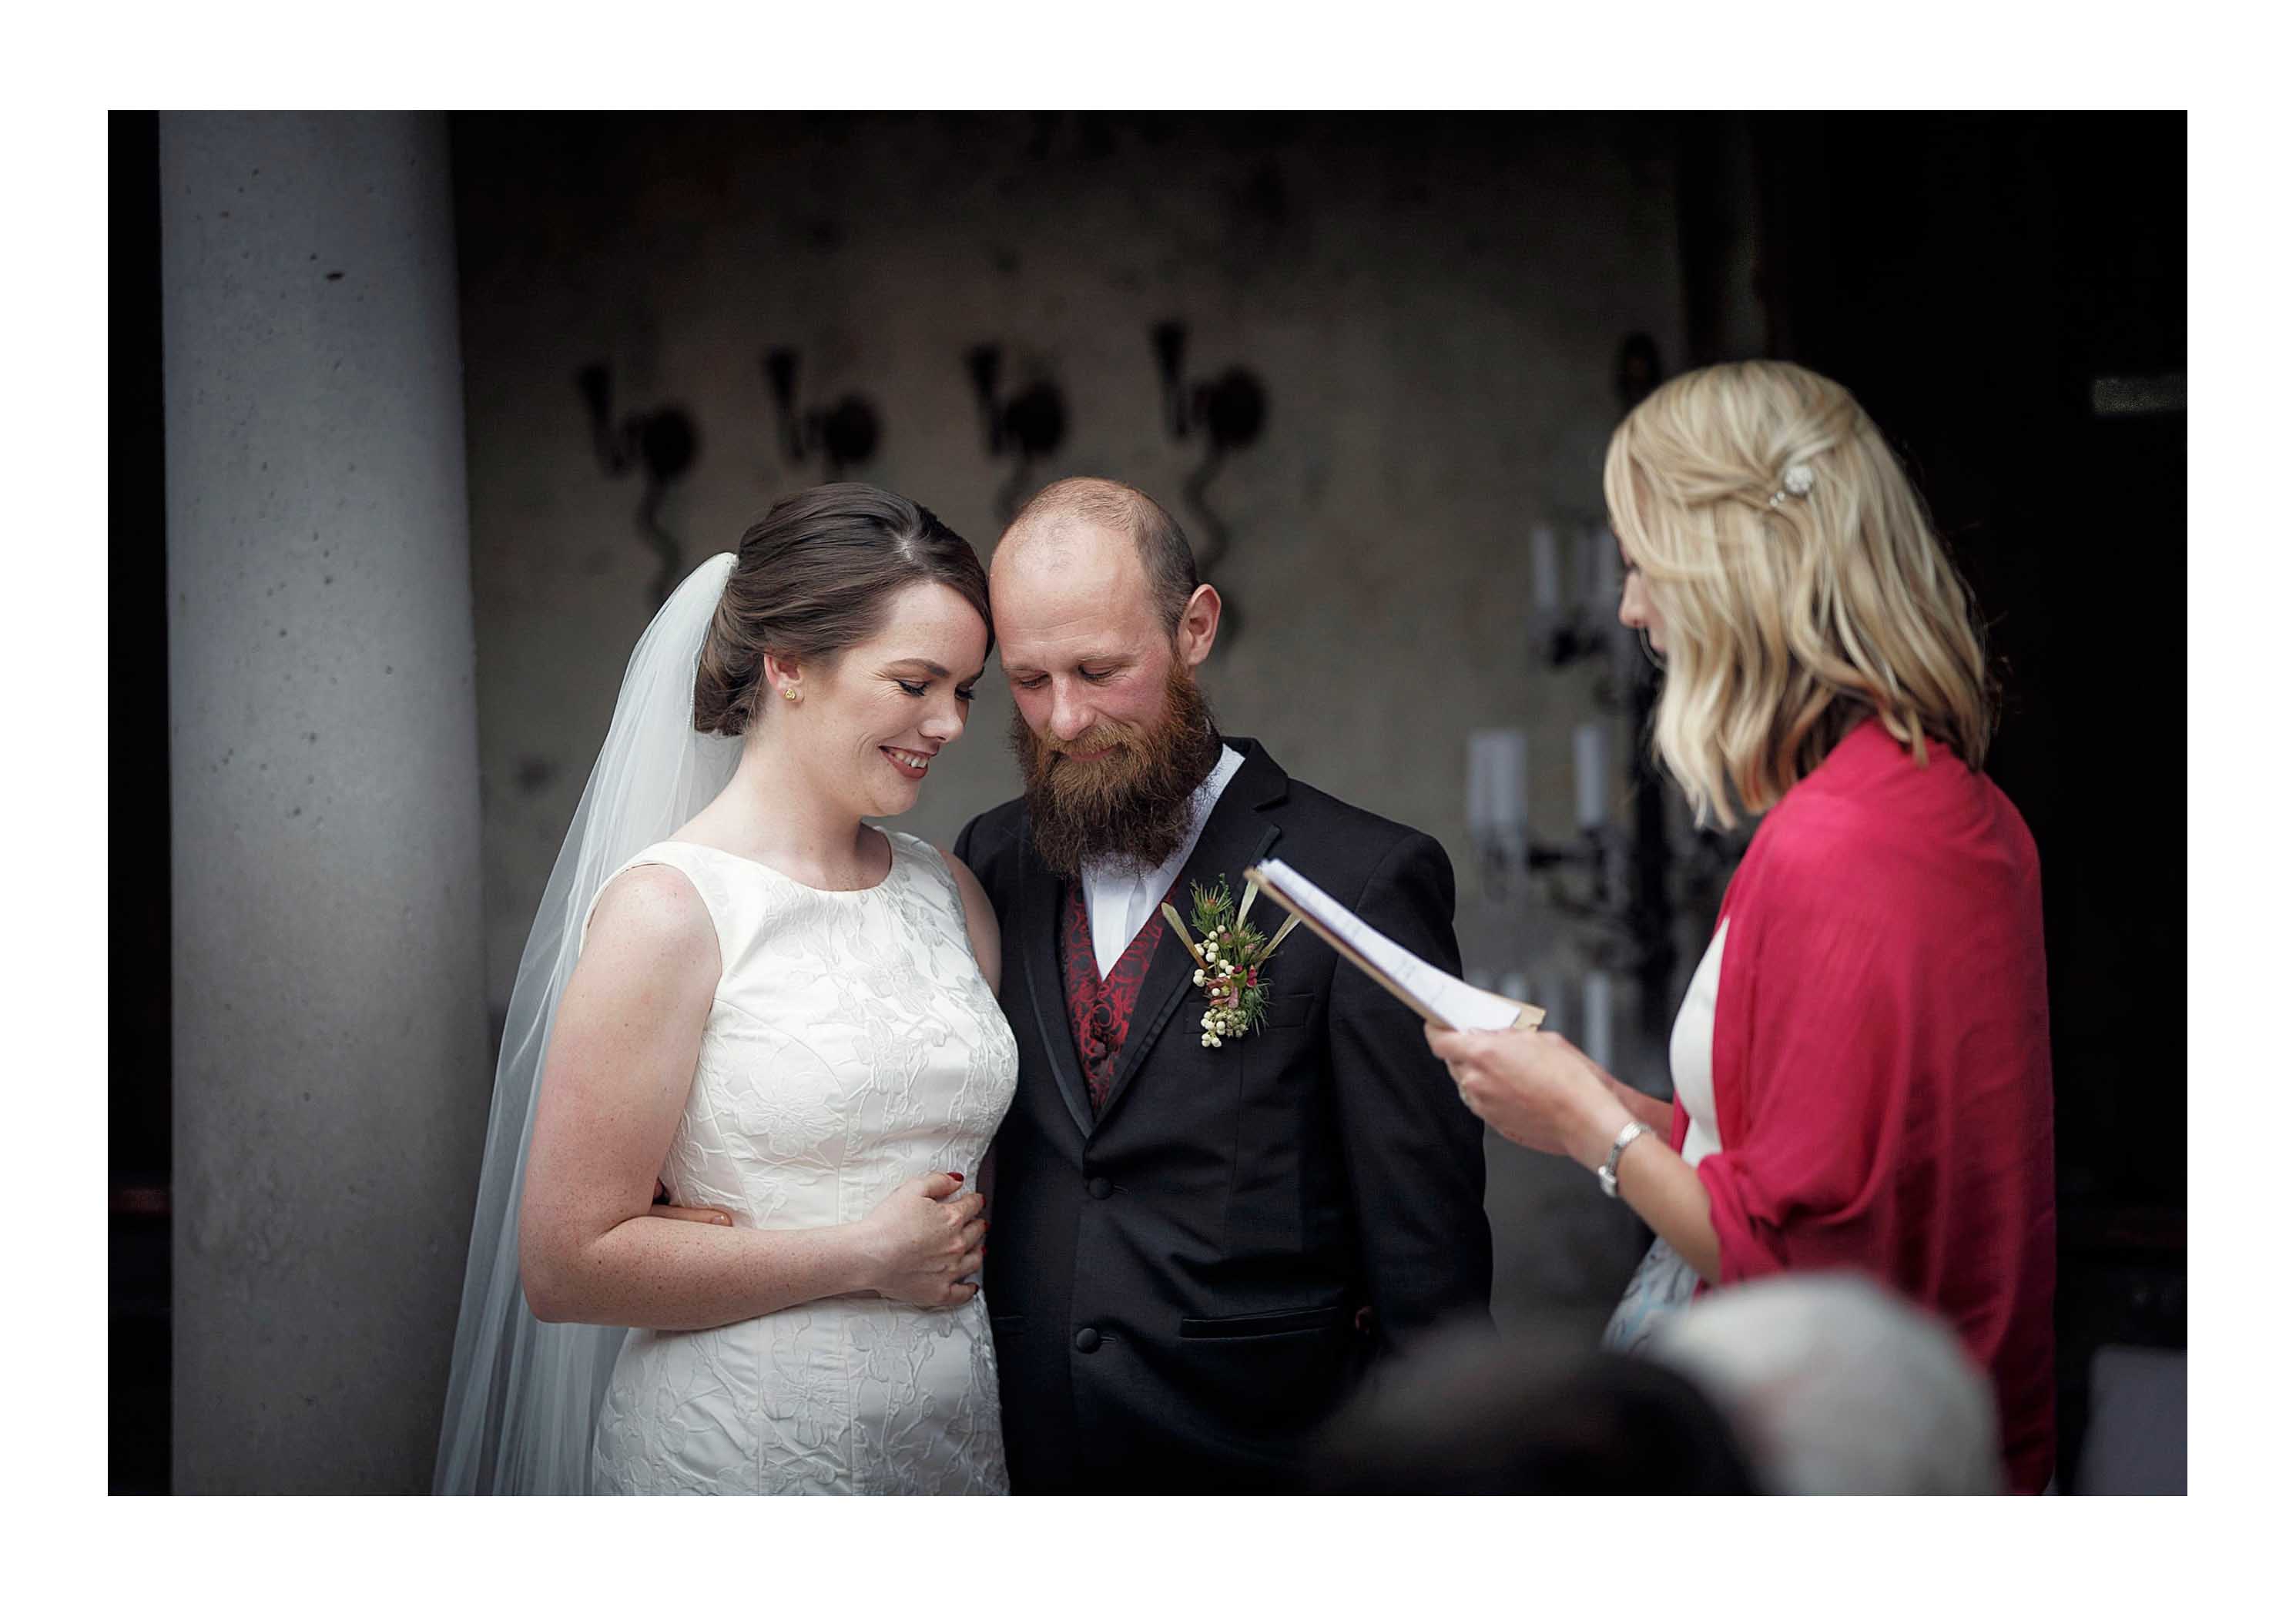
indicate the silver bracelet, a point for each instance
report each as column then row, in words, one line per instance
column 1607, row 1174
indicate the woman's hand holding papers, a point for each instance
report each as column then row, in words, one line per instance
column 1536, row 1089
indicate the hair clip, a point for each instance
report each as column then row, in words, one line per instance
column 1797, row 483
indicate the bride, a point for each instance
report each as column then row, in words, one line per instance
column 738, row 991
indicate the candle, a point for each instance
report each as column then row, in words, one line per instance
column 1498, row 789
column 1479, row 788
column 1597, row 1024
column 1546, row 570
column 1603, row 577
column 1547, row 979
column 1590, row 764
column 1510, row 800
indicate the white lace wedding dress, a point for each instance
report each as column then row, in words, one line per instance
column 852, row 1044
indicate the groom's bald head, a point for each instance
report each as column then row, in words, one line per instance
column 1070, row 519
column 1102, row 624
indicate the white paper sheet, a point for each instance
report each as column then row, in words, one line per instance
column 1444, row 995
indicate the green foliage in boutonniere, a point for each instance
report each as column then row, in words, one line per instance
column 1231, row 959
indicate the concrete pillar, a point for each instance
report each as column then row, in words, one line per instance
column 330, row 1038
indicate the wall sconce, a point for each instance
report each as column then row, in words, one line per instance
column 1618, row 883
column 1567, row 626
column 1622, row 882
column 1227, row 415
column 1585, row 878
column 1029, row 427
column 1498, row 819
column 846, row 434
column 662, row 443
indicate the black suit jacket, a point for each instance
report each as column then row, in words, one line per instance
column 1173, row 1287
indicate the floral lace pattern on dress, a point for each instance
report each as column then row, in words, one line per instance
column 853, row 1044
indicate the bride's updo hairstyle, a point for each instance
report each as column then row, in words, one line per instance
column 1801, row 582
column 816, row 575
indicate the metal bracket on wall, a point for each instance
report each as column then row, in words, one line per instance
column 1227, row 415
column 662, row 443
column 1029, row 426
column 846, row 435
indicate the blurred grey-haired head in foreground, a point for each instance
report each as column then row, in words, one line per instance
column 1838, row 1386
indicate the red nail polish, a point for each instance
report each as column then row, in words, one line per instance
column 958, row 1175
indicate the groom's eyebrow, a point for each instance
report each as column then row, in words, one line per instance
column 926, row 665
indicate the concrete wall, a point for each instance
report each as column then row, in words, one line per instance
column 1434, row 306
column 330, row 1065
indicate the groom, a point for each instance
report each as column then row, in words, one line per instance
column 1197, row 1251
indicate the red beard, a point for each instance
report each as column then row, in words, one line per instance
column 1129, row 809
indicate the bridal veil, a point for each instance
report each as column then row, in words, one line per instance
column 523, row 1397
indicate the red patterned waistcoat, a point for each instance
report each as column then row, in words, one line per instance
column 1100, row 1008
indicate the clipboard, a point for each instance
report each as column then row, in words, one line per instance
column 1528, row 1016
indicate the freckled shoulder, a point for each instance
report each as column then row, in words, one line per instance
column 654, row 913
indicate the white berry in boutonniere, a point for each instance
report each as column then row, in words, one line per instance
column 1231, row 960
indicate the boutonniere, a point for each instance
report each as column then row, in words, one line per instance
column 1231, row 958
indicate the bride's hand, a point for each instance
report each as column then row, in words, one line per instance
column 920, row 1242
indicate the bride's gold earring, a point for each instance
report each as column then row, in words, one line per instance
column 790, row 692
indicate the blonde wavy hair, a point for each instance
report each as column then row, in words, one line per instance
column 1789, row 618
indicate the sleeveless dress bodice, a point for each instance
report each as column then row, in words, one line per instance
column 852, row 1045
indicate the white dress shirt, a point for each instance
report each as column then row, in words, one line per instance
column 1691, row 1051
column 1121, row 903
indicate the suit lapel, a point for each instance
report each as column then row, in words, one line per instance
column 1040, row 898
column 1237, row 835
